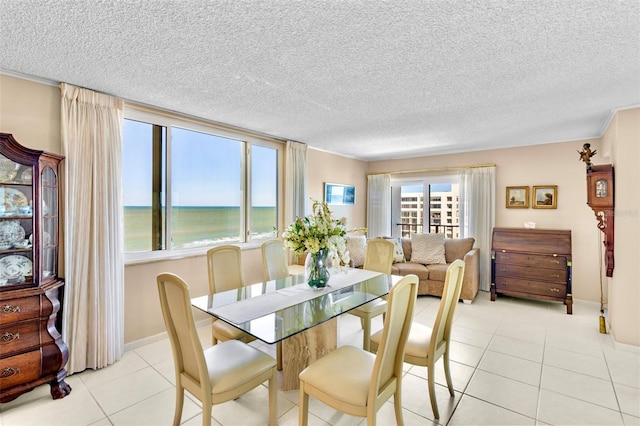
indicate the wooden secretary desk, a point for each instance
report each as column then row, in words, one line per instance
column 532, row 263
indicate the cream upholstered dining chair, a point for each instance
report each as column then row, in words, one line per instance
column 274, row 260
column 224, row 264
column 426, row 345
column 274, row 267
column 378, row 257
column 357, row 382
column 220, row 373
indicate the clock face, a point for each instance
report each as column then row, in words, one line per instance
column 601, row 188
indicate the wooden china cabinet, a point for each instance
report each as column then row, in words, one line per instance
column 32, row 351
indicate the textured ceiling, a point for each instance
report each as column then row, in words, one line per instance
column 366, row 79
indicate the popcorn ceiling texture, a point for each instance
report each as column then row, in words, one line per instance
column 367, row 79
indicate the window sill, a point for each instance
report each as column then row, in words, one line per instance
column 138, row 258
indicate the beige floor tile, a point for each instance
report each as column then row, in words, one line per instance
column 573, row 361
column 473, row 411
column 124, row 392
column 579, row 386
column 628, row 398
column 77, row 408
column 130, row 363
column 155, row 410
column 465, row 354
column 460, row 374
column 512, row 367
column 506, row 393
column 558, row 409
column 517, row 347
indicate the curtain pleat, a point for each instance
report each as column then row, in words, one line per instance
column 296, row 181
column 478, row 214
column 93, row 323
column 378, row 205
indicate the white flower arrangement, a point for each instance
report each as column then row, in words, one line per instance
column 316, row 232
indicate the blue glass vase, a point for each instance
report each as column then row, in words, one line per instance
column 316, row 269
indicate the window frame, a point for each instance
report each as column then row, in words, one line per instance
column 248, row 138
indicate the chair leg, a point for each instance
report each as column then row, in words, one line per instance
column 447, row 373
column 279, row 355
column 397, row 405
column 273, row 399
column 366, row 333
column 179, row 404
column 206, row 413
column 303, row 407
column 432, row 391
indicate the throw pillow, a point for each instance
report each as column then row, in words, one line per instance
column 357, row 247
column 427, row 249
column 398, row 253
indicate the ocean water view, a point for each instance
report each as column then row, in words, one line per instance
column 194, row 226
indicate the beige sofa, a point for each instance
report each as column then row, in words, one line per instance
column 432, row 276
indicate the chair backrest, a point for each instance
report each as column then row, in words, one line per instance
column 379, row 255
column 274, row 260
column 188, row 356
column 224, row 264
column 450, row 294
column 397, row 324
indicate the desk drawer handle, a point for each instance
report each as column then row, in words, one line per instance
column 8, row 309
column 8, row 372
column 9, row 337
column 555, row 261
column 555, row 275
column 555, row 290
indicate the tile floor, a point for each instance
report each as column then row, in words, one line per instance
column 515, row 362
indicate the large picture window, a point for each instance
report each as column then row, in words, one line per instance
column 187, row 185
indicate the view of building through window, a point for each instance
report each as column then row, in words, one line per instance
column 439, row 215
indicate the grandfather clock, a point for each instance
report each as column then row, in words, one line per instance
column 600, row 197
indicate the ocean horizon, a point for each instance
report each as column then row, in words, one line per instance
column 196, row 226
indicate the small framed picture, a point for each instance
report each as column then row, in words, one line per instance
column 545, row 197
column 517, row 197
column 335, row 193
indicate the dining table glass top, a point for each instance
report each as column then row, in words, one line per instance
column 277, row 309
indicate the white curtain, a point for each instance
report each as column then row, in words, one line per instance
column 93, row 325
column 478, row 214
column 379, row 205
column 295, row 182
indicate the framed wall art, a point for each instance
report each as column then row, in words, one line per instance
column 335, row 193
column 517, row 197
column 545, row 197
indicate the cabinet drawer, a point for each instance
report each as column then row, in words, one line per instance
column 536, row 260
column 13, row 310
column 532, row 272
column 531, row 287
column 20, row 369
column 19, row 337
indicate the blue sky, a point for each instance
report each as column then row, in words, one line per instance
column 205, row 169
column 436, row 187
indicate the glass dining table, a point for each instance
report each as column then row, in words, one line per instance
column 287, row 310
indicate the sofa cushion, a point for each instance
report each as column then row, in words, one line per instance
column 406, row 268
column 437, row 272
column 398, row 252
column 427, row 249
column 357, row 246
column 456, row 248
